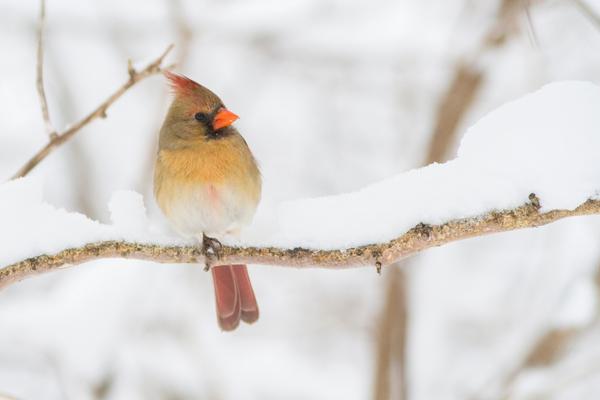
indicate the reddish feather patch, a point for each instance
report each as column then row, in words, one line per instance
column 181, row 84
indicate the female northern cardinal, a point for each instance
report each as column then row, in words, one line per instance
column 206, row 182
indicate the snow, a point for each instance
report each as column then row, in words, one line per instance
column 544, row 142
column 31, row 225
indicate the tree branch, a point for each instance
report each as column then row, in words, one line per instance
column 40, row 73
column 391, row 350
column 588, row 12
column 135, row 76
column 391, row 371
column 417, row 239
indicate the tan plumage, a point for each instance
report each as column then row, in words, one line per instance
column 206, row 181
column 220, row 175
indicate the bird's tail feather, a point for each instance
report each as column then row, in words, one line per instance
column 248, row 303
column 234, row 296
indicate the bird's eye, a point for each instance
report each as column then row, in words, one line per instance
column 201, row 117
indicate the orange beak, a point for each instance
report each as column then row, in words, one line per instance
column 223, row 118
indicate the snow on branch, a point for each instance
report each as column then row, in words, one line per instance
column 417, row 239
column 544, row 143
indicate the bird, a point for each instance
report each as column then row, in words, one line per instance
column 207, row 184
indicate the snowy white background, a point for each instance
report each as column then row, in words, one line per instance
column 334, row 96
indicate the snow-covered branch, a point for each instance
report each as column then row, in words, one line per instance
column 543, row 143
column 417, row 239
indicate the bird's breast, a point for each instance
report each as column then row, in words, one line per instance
column 212, row 191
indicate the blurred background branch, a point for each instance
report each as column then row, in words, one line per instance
column 550, row 347
column 588, row 12
column 391, row 342
column 391, row 379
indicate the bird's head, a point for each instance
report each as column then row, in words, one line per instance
column 196, row 114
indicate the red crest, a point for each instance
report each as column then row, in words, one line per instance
column 181, row 84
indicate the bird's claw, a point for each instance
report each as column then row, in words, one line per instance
column 211, row 248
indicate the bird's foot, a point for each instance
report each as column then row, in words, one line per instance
column 211, row 248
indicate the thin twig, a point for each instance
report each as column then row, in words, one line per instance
column 185, row 32
column 40, row 73
column 417, row 239
column 135, row 76
column 550, row 346
column 533, row 36
column 587, row 11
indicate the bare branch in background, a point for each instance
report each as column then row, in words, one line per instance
column 184, row 31
column 40, row 73
column 392, row 340
column 505, row 25
column 587, row 11
column 466, row 82
column 185, row 35
column 544, row 352
column 550, row 346
column 390, row 369
column 135, row 76
column 531, row 27
column 548, row 349
column 453, row 106
column 417, row 239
